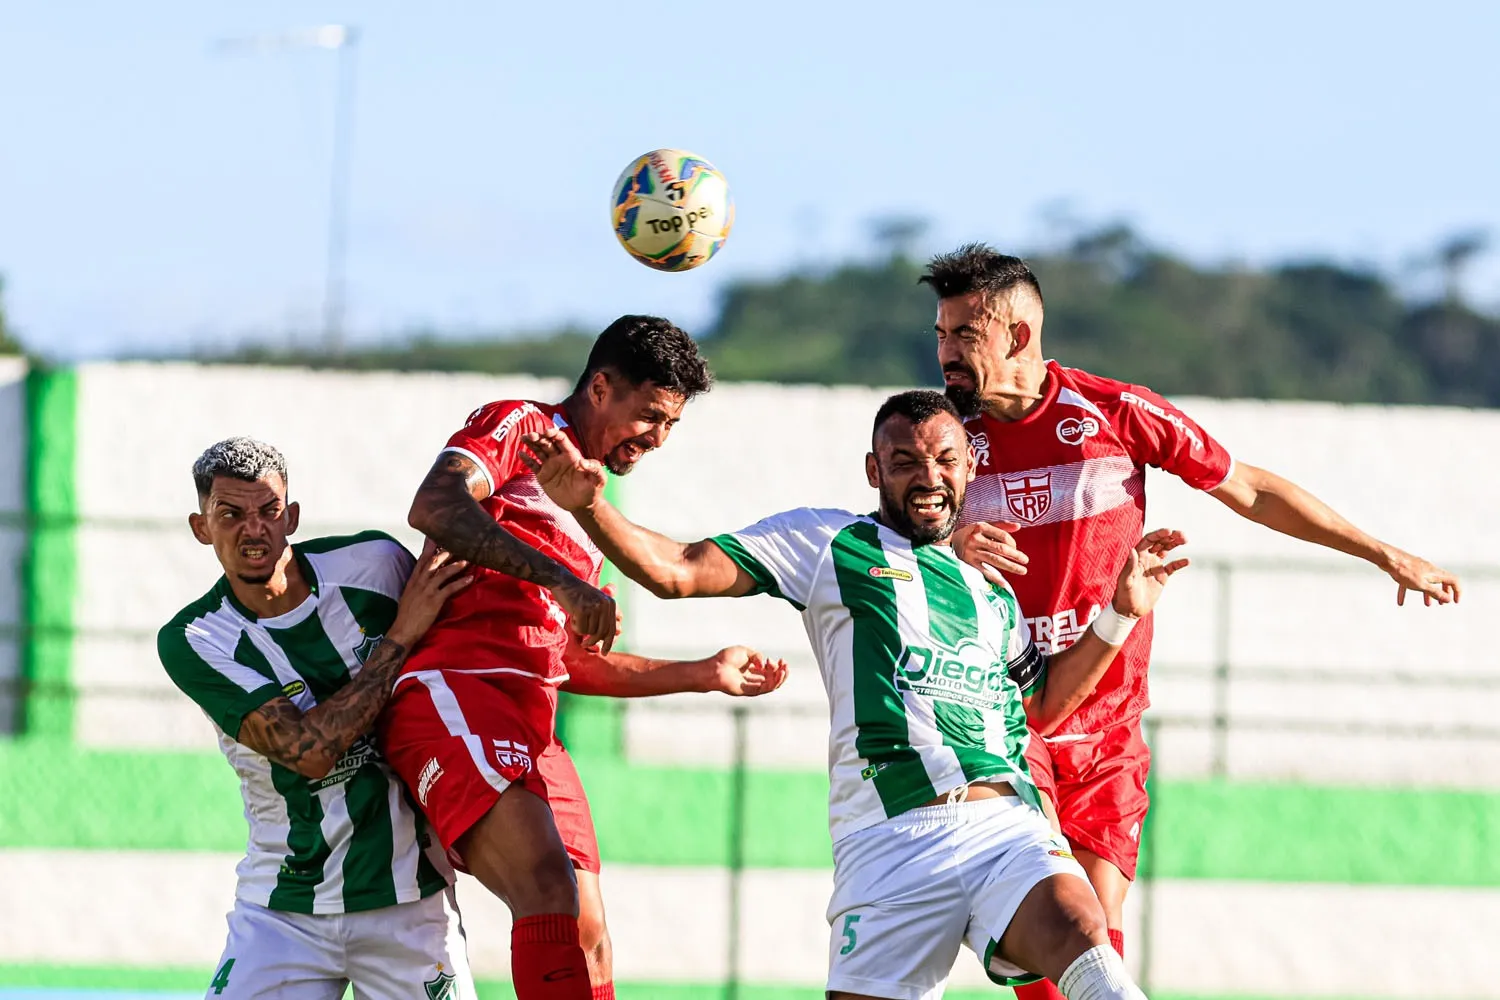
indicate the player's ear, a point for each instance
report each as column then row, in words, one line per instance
column 1020, row 337
column 872, row 469
column 599, row 388
column 293, row 517
column 199, row 525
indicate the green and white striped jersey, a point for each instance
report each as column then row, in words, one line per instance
column 925, row 662
column 352, row 840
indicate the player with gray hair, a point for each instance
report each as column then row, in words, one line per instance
column 241, row 458
column 291, row 655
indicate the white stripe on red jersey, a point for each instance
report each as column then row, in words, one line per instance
column 1072, row 474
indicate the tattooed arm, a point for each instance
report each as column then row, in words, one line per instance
column 446, row 509
column 311, row 743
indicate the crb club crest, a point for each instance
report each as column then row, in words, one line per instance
column 1029, row 497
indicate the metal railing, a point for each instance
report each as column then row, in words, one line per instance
column 1221, row 671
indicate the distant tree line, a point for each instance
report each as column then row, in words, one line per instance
column 1115, row 305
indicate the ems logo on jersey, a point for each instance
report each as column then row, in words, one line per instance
column 981, row 444
column 293, row 688
column 366, row 646
column 1028, row 497
column 889, row 573
column 442, row 988
column 1071, row 430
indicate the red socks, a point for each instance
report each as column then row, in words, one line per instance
column 546, row 962
column 1044, row 990
column 604, row 992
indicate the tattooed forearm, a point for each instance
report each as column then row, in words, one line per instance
column 312, row 743
column 447, row 510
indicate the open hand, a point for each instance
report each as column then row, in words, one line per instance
column 1146, row 571
column 743, row 672
column 572, row 481
column 991, row 549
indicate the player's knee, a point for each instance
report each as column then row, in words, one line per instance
column 593, row 935
column 1111, row 893
column 1079, row 923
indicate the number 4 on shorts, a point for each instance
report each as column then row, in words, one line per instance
column 221, row 978
column 850, row 938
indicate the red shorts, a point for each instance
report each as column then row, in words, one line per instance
column 458, row 740
column 1098, row 785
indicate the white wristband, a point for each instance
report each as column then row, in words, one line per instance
column 1113, row 627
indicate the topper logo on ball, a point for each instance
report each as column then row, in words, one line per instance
column 676, row 222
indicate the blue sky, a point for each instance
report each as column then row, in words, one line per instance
column 156, row 194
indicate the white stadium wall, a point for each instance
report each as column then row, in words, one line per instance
column 1260, row 632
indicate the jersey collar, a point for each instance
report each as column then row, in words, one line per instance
column 308, row 574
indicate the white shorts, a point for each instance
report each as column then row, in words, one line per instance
column 410, row 950
column 908, row 891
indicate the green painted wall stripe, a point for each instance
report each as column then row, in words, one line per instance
column 84, row 799
column 49, row 576
column 196, row 980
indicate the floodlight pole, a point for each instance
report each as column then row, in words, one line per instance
column 343, row 39
column 334, row 286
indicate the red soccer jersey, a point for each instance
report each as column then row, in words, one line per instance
column 499, row 624
column 1072, row 473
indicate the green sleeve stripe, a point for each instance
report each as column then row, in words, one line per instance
column 330, row 543
column 225, row 699
column 765, row 582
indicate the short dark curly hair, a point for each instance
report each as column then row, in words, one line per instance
column 916, row 405
column 644, row 349
column 978, row 267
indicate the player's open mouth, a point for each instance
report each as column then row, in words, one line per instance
column 629, row 452
column 255, row 553
column 958, row 376
column 929, row 505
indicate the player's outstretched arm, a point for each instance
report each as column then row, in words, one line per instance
column 446, row 509
column 1073, row 673
column 311, row 743
column 1281, row 505
column 735, row 670
column 667, row 568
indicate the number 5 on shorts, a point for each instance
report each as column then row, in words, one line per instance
column 850, row 938
column 221, row 978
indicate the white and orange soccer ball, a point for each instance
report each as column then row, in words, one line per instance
column 671, row 209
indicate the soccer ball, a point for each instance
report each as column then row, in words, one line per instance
column 671, row 209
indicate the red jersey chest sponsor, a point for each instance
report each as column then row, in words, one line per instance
column 501, row 623
column 1071, row 474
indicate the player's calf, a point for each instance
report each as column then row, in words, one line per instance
column 593, row 935
column 516, row 853
column 1060, row 931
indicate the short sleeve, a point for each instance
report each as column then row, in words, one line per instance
column 1159, row 434
column 1024, row 662
column 1027, row 665
column 492, row 438
column 224, row 688
column 782, row 553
